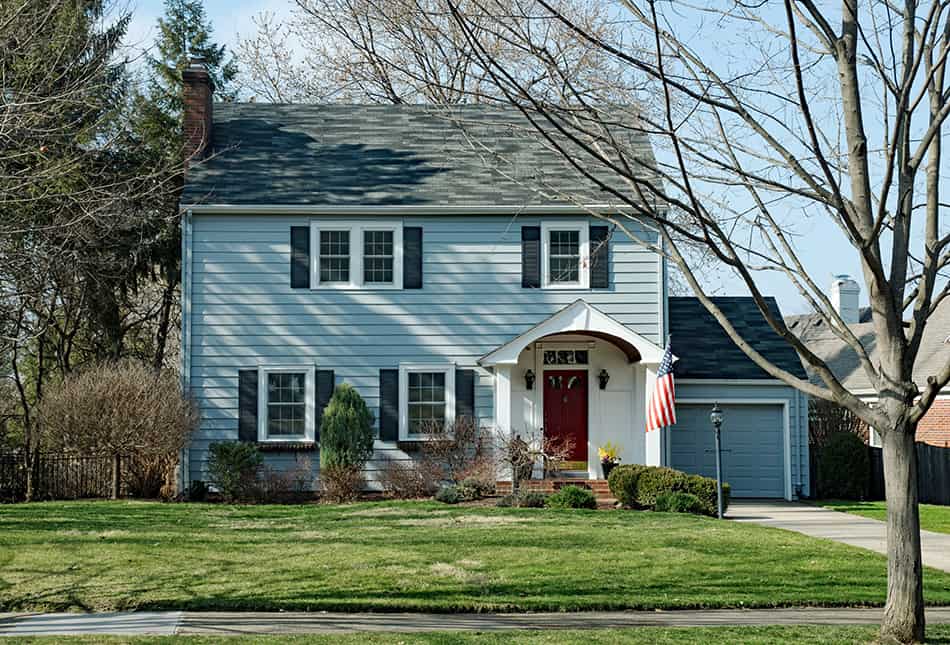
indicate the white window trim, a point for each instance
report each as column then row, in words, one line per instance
column 310, row 373
column 583, row 229
column 356, row 230
column 407, row 368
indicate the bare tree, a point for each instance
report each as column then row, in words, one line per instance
column 752, row 140
column 409, row 51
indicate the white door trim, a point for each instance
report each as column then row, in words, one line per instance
column 786, row 429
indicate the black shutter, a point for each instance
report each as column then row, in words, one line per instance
column 324, row 390
column 299, row 257
column 531, row 257
column 389, row 405
column 247, row 405
column 465, row 394
column 599, row 257
column 412, row 257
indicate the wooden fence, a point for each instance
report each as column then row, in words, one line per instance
column 933, row 474
column 56, row 476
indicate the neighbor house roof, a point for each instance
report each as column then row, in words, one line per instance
column 705, row 351
column 384, row 155
column 843, row 361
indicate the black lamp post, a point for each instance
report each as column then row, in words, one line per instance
column 716, row 417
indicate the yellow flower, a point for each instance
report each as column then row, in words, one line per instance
column 610, row 451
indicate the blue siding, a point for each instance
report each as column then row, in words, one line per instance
column 244, row 313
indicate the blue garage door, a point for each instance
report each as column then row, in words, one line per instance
column 753, row 445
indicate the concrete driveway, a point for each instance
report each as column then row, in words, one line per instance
column 833, row 525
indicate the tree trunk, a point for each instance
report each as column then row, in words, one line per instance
column 904, row 611
column 116, row 476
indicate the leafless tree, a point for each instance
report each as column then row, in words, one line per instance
column 832, row 112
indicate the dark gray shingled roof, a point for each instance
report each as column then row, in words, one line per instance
column 380, row 155
column 705, row 351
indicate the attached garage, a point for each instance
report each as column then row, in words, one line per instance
column 754, row 445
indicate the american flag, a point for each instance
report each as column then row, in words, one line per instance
column 662, row 409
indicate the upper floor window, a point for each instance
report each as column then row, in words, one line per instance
column 356, row 255
column 565, row 255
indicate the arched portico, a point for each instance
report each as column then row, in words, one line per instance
column 549, row 378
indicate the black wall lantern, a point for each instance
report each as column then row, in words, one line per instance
column 603, row 377
column 529, row 380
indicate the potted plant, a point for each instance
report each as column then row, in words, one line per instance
column 609, row 457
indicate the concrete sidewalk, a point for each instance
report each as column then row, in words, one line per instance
column 227, row 623
column 834, row 525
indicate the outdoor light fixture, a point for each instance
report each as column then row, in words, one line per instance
column 529, row 380
column 715, row 416
column 603, row 377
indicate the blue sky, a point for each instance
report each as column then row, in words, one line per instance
column 819, row 242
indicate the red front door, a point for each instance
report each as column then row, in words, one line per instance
column 565, row 411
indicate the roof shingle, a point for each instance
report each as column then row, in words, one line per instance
column 382, row 155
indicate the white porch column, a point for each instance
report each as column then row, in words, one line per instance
column 654, row 439
column 503, row 407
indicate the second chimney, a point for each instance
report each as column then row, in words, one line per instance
column 198, row 109
column 844, row 297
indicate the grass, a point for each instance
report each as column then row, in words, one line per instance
column 932, row 517
column 100, row 556
column 633, row 636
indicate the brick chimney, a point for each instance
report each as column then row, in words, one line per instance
column 199, row 90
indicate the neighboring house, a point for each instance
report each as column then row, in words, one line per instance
column 934, row 428
column 375, row 245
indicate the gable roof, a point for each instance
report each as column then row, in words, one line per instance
column 582, row 318
column 383, row 155
column 843, row 362
column 705, row 351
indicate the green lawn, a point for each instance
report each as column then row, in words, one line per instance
column 415, row 556
column 635, row 636
column 932, row 517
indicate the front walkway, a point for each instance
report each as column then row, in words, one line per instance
column 834, row 525
column 228, row 623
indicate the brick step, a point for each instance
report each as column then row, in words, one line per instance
column 599, row 487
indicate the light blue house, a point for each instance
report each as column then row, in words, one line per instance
column 378, row 246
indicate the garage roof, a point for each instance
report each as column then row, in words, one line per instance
column 706, row 352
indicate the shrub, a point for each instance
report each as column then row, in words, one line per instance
column 843, row 467
column 124, row 410
column 341, row 484
column 572, row 497
column 679, row 502
column 473, row 488
column 656, row 480
column 408, row 479
column 639, row 486
column 197, row 491
column 623, row 483
column 458, row 451
column 233, row 468
column 281, row 485
column 524, row 499
column 449, row 494
column 704, row 488
column 346, row 430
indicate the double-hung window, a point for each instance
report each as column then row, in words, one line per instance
column 356, row 255
column 427, row 399
column 565, row 255
column 286, row 404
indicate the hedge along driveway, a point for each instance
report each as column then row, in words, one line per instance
column 415, row 556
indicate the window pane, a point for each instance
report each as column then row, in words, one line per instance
column 564, row 256
column 378, row 257
column 334, row 256
column 426, row 401
column 286, row 408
